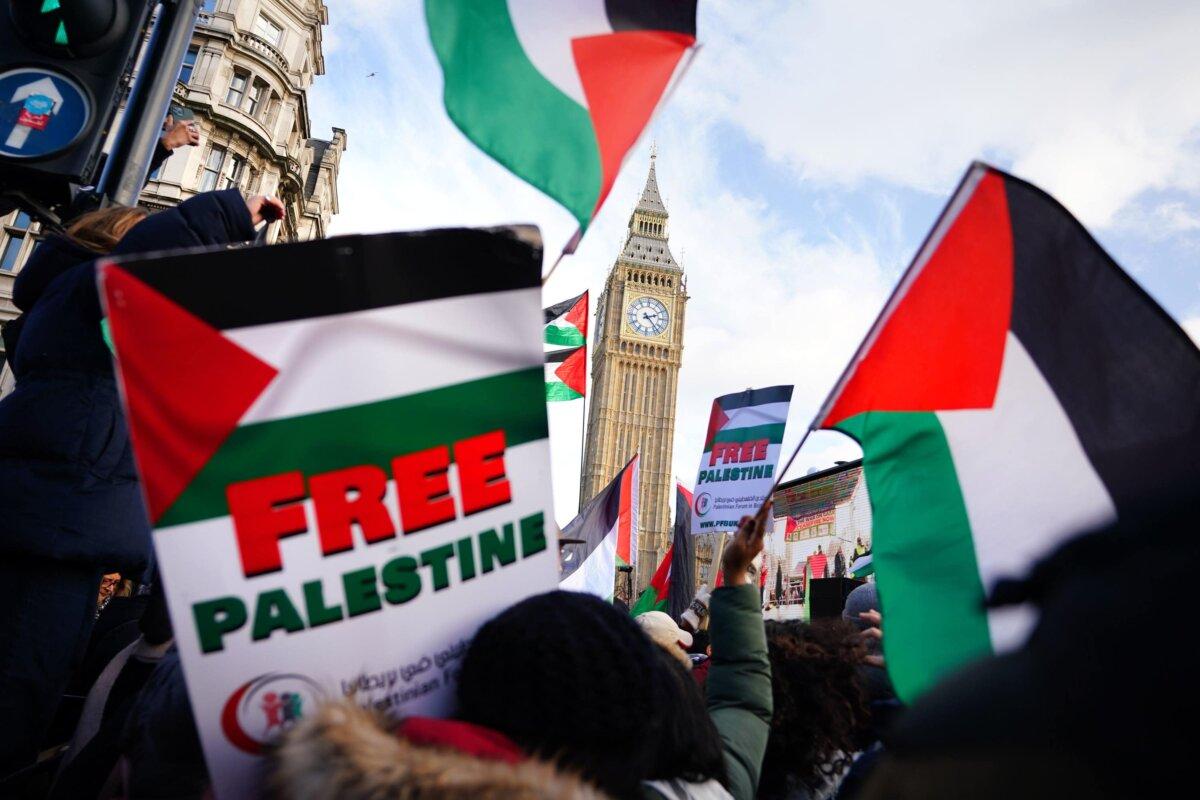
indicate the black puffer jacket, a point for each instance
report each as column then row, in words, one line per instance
column 68, row 488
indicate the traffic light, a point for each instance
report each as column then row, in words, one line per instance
column 63, row 64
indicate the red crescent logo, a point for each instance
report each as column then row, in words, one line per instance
column 232, row 728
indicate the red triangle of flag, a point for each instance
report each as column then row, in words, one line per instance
column 186, row 385
column 716, row 421
column 573, row 371
column 624, row 75
column 578, row 315
column 942, row 347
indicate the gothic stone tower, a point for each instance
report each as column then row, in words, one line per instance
column 635, row 373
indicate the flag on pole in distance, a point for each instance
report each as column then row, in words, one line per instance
column 654, row 596
column 558, row 91
column 566, row 364
column 862, row 566
column 1018, row 388
column 741, row 452
column 674, row 578
column 608, row 527
column 683, row 555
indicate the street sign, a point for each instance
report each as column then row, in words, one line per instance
column 41, row 113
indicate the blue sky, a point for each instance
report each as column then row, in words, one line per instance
column 803, row 159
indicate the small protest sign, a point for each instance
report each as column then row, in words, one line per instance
column 343, row 450
column 741, row 451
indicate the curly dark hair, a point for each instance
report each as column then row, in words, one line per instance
column 821, row 715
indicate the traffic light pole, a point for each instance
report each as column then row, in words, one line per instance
column 149, row 98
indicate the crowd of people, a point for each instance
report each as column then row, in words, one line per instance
column 562, row 694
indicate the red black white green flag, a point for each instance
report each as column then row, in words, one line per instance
column 605, row 535
column 566, row 361
column 344, row 453
column 671, row 588
column 558, row 91
column 1018, row 388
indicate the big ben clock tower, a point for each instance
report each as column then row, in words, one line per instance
column 635, row 373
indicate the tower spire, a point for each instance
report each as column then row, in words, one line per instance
column 646, row 241
column 651, row 201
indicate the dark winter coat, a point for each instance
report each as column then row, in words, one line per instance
column 68, row 488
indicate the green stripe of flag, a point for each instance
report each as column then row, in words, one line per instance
column 648, row 601
column 772, row 433
column 557, row 391
column 922, row 549
column 373, row 433
column 499, row 99
column 567, row 336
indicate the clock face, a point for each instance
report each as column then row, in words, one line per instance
column 647, row 316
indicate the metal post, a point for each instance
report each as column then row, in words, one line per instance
column 128, row 164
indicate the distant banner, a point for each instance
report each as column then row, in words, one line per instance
column 741, row 451
column 345, row 459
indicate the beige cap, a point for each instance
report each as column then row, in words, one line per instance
column 663, row 631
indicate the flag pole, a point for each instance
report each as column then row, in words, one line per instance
column 949, row 213
column 583, row 416
column 568, row 249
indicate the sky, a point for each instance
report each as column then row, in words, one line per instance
column 803, row 158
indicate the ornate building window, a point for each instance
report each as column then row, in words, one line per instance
column 258, row 95
column 212, row 168
column 189, row 64
column 237, row 88
column 235, row 172
column 268, row 29
column 16, row 231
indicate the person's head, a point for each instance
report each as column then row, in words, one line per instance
column 820, row 711
column 700, row 640
column 100, row 231
column 569, row 678
column 861, row 599
column 818, row 548
column 688, row 745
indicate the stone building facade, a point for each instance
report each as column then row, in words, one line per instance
column 245, row 78
column 635, row 374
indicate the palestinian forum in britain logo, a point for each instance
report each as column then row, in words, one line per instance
column 703, row 503
column 263, row 708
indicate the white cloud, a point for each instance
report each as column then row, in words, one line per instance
column 1192, row 326
column 1095, row 101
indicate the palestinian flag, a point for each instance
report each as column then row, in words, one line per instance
column 566, row 364
column 683, row 556
column 558, row 91
column 654, row 596
column 1017, row 389
column 607, row 528
column 862, row 566
column 328, row 435
column 221, row 386
column 675, row 575
column 741, row 451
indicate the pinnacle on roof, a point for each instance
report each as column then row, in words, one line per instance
column 651, row 200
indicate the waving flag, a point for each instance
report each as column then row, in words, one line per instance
column 1017, row 388
column 654, row 596
column 683, row 556
column 566, row 365
column 346, row 462
column 741, row 451
column 607, row 528
column 673, row 580
column 558, row 91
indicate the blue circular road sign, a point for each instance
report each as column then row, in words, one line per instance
column 41, row 113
